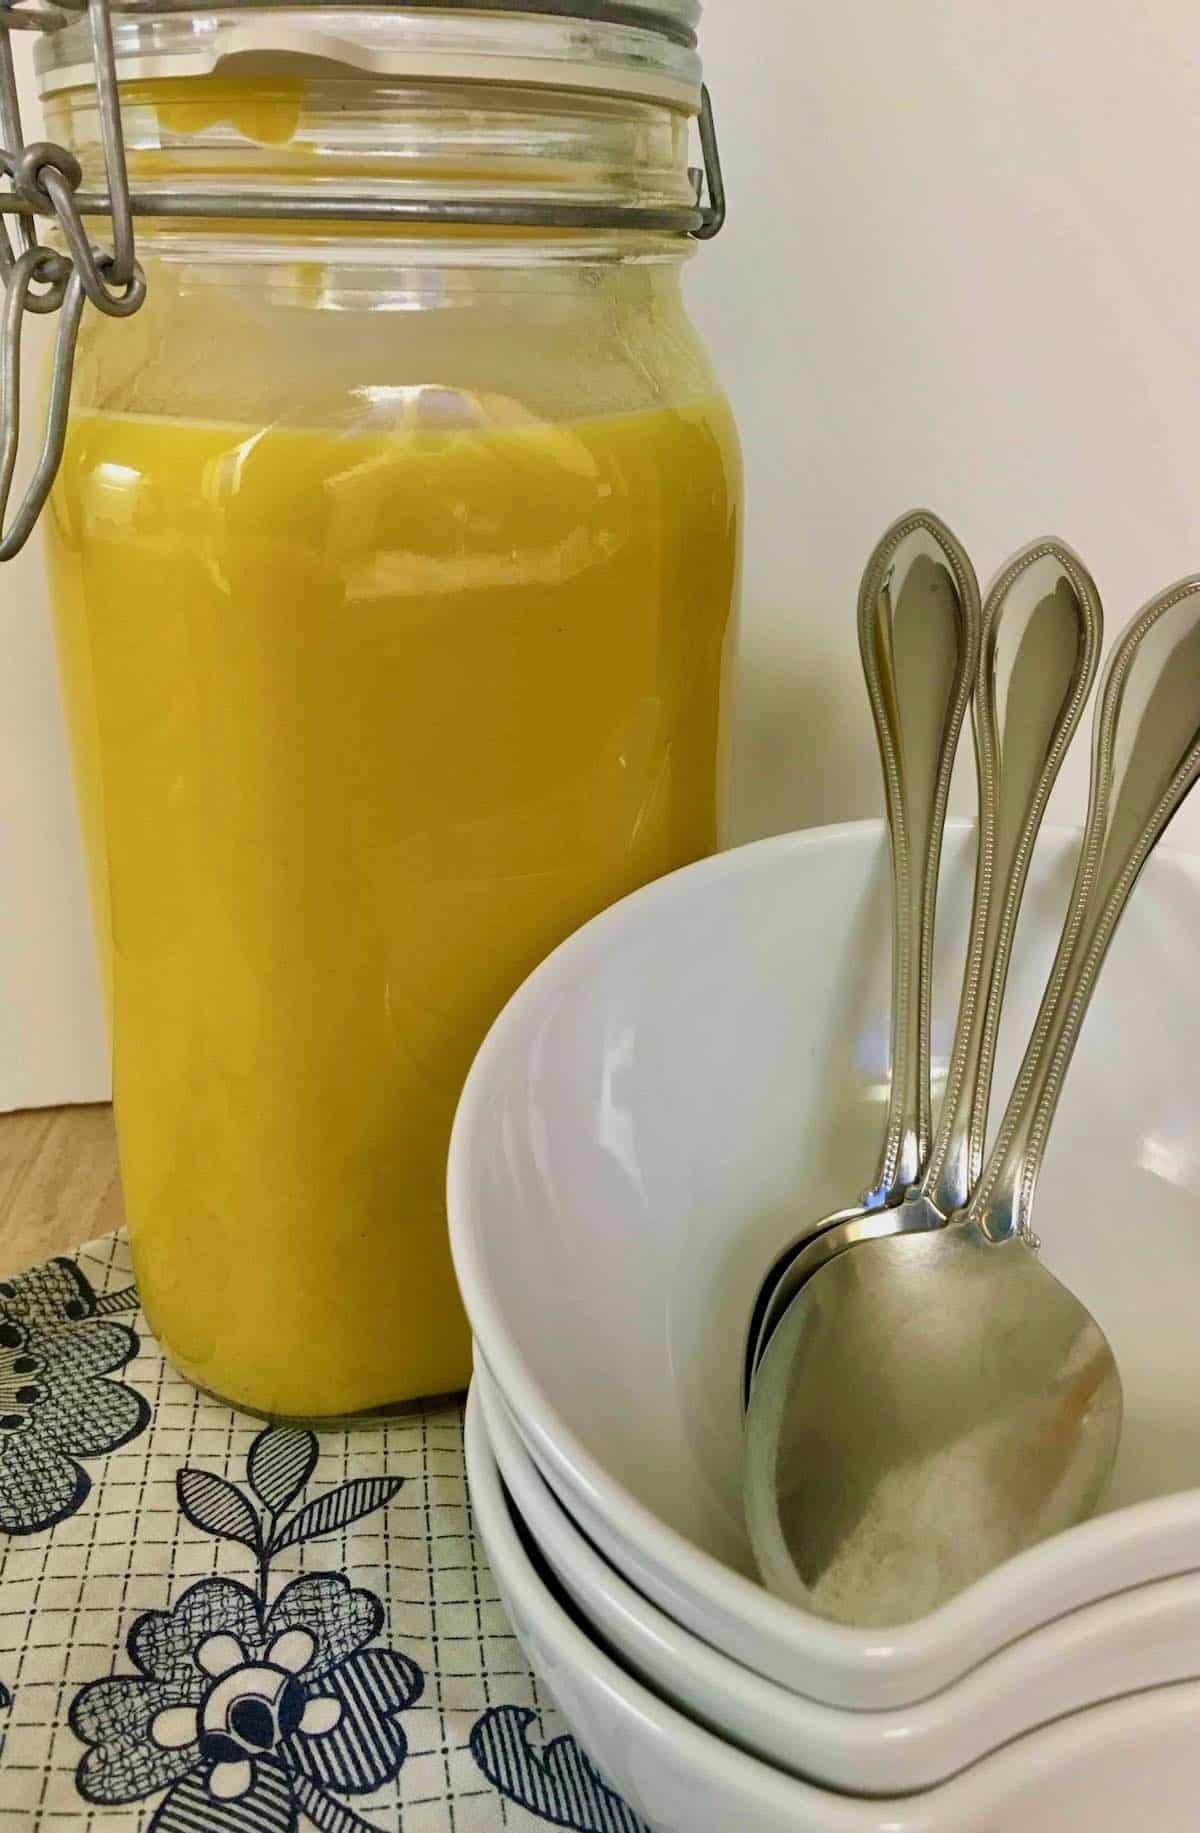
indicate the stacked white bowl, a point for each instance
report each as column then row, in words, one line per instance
column 668, row 1100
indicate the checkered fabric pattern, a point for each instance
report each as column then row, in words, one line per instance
column 400, row 1659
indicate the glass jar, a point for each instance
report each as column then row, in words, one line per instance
column 394, row 570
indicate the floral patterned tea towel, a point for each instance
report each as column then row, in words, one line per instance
column 208, row 1625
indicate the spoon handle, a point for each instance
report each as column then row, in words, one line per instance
column 919, row 632
column 1042, row 629
column 1145, row 759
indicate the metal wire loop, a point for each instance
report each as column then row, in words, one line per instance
column 26, row 167
column 28, row 268
column 49, row 269
column 112, row 136
column 714, row 213
column 91, row 264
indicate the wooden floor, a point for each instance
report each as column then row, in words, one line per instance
column 59, row 1184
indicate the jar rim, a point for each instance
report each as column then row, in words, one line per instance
column 637, row 48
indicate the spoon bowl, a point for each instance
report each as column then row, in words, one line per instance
column 999, row 1430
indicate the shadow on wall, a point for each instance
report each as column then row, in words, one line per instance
column 804, row 751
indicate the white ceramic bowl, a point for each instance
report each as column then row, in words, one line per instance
column 1146, row 1637
column 1134, row 1762
column 698, row 1072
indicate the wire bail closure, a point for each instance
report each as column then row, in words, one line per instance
column 44, row 181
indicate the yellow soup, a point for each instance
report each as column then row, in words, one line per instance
column 364, row 724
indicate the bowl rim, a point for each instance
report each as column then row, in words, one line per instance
column 960, row 1632
column 490, row 1503
column 942, row 1809
column 922, row 1736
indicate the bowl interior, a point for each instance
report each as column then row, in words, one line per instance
column 704, row 1071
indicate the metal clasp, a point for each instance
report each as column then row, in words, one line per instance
column 45, row 180
column 709, row 174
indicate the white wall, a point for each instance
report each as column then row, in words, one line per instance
column 52, row 1044
column 960, row 268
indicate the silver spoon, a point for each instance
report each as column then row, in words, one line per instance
column 1042, row 627
column 919, row 621
column 933, row 1403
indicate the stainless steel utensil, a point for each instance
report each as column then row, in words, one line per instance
column 932, row 1403
column 919, row 632
column 1042, row 629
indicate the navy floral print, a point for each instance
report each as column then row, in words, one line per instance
column 255, row 1716
column 557, row 1781
column 262, row 1694
column 59, row 1348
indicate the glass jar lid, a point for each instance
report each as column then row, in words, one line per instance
column 644, row 49
column 636, row 54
